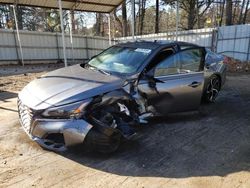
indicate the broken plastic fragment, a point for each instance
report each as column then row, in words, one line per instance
column 123, row 108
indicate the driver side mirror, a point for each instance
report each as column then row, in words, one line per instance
column 151, row 80
column 149, row 77
column 151, row 83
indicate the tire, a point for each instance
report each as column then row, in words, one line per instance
column 106, row 135
column 212, row 89
column 99, row 142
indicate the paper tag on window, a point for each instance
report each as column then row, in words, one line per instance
column 146, row 51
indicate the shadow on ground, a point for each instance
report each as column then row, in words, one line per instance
column 5, row 95
column 213, row 142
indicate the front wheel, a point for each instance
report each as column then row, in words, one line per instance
column 99, row 142
column 212, row 89
column 111, row 125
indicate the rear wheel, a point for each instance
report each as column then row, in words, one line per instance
column 212, row 90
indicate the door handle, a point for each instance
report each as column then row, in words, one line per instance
column 194, row 84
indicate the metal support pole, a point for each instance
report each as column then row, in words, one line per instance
column 18, row 36
column 109, row 30
column 133, row 19
column 62, row 29
column 87, row 47
column 248, row 51
column 177, row 20
column 71, row 37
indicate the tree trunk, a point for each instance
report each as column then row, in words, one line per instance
column 138, row 24
column 99, row 24
column 102, row 28
column 157, row 16
column 222, row 12
column 234, row 9
column 142, row 15
column 19, row 15
column 45, row 19
column 118, row 20
column 124, row 20
column 229, row 12
column 198, row 14
column 10, row 19
column 246, row 11
column 72, row 15
column 241, row 12
column 191, row 15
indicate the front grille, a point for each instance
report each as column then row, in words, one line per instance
column 25, row 116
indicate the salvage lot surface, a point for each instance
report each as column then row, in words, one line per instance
column 209, row 148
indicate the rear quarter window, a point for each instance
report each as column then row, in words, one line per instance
column 212, row 57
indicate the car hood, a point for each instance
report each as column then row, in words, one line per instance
column 67, row 85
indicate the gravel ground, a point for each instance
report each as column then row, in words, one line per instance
column 17, row 82
column 13, row 77
column 208, row 148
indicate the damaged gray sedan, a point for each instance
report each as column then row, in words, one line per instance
column 99, row 103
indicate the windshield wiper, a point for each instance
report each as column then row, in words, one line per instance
column 88, row 66
column 103, row 71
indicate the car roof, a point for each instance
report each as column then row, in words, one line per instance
column 154, row 44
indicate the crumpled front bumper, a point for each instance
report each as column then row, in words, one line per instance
column 72, row 130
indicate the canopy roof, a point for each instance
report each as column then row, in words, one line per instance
column 102, row 6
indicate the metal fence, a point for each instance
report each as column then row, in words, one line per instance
column 200, row 36
column 47, row 47
column 233, row 41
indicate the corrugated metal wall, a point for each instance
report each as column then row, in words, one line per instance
column 233, row 41
column 201, row 36
column 39, row 46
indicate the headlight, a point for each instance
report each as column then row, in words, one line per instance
column 74, row 110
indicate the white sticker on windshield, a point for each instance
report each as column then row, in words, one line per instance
column 146, row 51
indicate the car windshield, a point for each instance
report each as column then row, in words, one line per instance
column 124, row 60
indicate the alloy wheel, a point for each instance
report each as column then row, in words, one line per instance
column 213, row 89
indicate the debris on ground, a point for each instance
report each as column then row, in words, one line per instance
column 234, row 65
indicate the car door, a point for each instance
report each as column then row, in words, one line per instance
column 175, row 84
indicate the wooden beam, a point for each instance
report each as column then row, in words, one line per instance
column 91, row 3
column 112, row 6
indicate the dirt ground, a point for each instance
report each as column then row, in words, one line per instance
column 208, row 148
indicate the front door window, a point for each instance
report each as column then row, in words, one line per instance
column 183, row 62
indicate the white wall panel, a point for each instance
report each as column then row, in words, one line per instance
column 47, row 46
column 233, row 41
